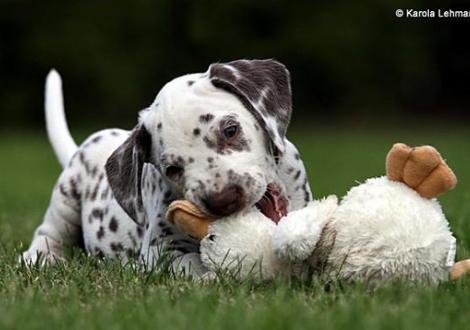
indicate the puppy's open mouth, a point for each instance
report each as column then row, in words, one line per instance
column 273, row 204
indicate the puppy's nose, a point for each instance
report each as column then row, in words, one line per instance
column 225, row 202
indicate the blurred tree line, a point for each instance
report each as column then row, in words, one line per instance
column 350, row 61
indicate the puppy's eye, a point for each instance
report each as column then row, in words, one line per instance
column 174, row 171
column 230, row 131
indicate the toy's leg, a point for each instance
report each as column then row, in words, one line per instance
column 298, row 233
column 460, row 269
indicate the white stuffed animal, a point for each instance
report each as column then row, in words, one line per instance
column 386, row 228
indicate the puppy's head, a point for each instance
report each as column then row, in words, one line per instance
column 214, row 138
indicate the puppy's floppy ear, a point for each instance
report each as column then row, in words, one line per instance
column 124, row 171
column 263, row 86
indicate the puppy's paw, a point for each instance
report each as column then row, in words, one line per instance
column 209, row 277
column 38, row 258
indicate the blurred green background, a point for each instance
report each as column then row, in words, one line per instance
column 353, row 63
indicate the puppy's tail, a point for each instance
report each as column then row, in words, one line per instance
column 57, row 129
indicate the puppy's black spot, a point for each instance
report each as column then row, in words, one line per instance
column 97, row 139
column 154, row 188
column 132, row 238
column 307, row 197
column 87, row 192
column 74, row 188
column 81, row 157
column 84, row 162
column 104, row 193
column 100, row 254
column 159, row 126
column 190, row 82
column 140, row 231
column 210, row 143
column 297, row 175
column 113, row 224
column 207, row 118
column 63, row 190
column 196, row 132
column 116, row 247
column 180, row 160
column 97, row 213
column 100, row 233
column 94, row 193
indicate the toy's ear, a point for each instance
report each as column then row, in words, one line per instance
column 263, row 86
column 124, row 171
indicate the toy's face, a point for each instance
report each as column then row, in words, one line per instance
column 212, row 151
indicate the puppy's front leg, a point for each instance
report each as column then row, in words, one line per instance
column 163, row 246
column 164, row 249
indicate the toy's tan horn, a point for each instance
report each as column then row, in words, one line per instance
column 421, row 168
column 188, row 219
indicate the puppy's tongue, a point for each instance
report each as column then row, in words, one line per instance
column 272, row 204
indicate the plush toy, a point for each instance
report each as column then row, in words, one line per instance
column 386, row 228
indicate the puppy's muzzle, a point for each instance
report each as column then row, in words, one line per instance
column 225, row 202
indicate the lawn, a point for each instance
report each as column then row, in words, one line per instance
column 84, row 294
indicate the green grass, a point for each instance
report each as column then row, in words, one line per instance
column 84, row 294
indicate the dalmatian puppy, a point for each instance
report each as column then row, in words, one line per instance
column 216, row 139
